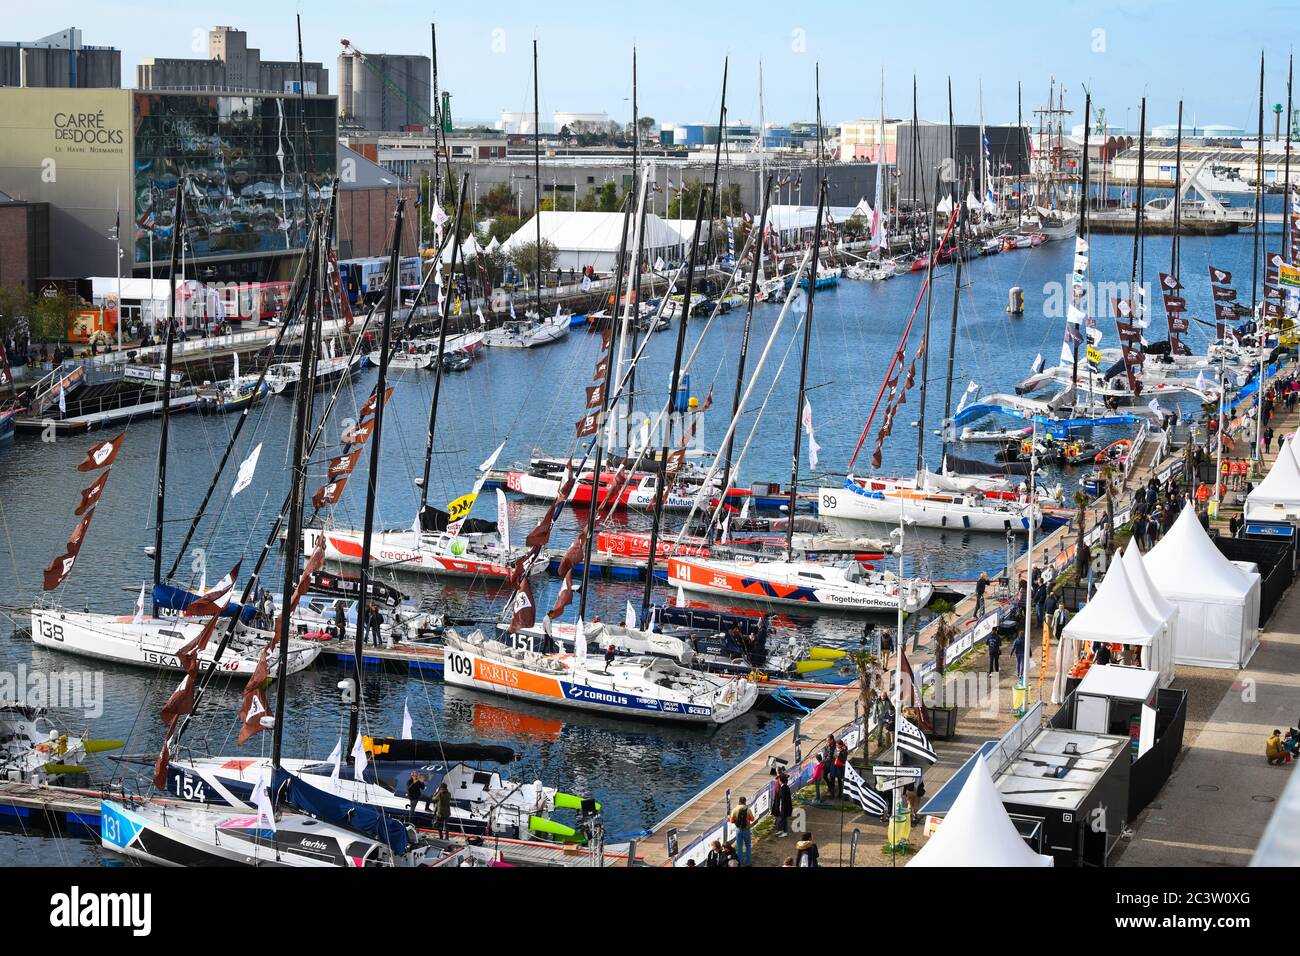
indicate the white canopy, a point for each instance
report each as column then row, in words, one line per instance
column 593, row 238
column 977, row 831
column 863, row 209
column 1151, row 598
column 1277, row 498
column 787, row 218
column 1218, row 603
column 944, row 206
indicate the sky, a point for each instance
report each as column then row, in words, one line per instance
column 1205, row 52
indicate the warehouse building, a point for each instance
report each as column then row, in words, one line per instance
column 231, row 65
column 382, row 91
column 1008, row 154
column 59, row 60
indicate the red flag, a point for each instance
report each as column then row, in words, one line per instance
column 596, row 396
column 79, row 533
column 359, row 434
column 328, row 494
column 370, row 404
column 253, row 706
column 90, row 496
column 523, row 613
column 102, row 455
column 58, row 570
column 563, row 599
column 587, row 425
column 572, row 554
column 602, row 371
column 343, row 464
column 1171, row 283
column 210, row 602
column 161, row 765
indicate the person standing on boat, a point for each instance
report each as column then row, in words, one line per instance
column 742, row 820
column 375, row 622
column 609, row 657
column 441, row 809
column 414, row 790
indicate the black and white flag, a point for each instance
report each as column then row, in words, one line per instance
column 911, row 739
column 869, row 799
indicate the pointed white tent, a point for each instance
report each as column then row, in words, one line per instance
column 1278, row 496
column 1218, row 603
column 1154, row 602
column 494, row 245
column 977, row 831
column 863, row 209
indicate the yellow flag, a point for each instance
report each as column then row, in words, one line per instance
column 459, row 508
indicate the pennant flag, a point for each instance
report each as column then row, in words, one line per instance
column 813, row 447
column 1172, row 284
column 262, row 800
column 336, row 759
column 328, row 494
column 247, row 468
column 911, row 739
column 358, row 434
column 523, row 613
column 629, row 617
column 562, row 600
column 359, row 759
column 79, row 533
column 459, row 509
column 58, row 571
column 503, row 519
column 681, row 596
column 215, row 600
column 868, row 798
column 63, row 401
column 101, row 455
column 369, row 407
column 139, row 608
column 406, row 722
column 343, row 464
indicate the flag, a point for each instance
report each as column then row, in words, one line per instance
column 63, row 402
column 214, row 601
column 453, row 527
column 247, row 467
column 868, row 798
column 512, row 309
column 101, row 455
column 744, row 508
column 234, row 371
column 336, row 758
column 438, row 214
column 1038, row 364
column 1200, row 381
column 629, row 616
column 262, row 800
column 406, row 722
column 586, row 283
column 813, row 447
column 503, row 519
column 681, row 596
column 1155, row 408
column 359, row 759
column 580, row 643
column 139, row 608
column 659, row 264
column 912, row 740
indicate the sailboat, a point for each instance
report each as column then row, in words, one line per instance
column 33, row 749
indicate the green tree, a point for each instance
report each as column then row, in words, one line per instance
column 48, row 319
column 524, row 257
column 502, row 228
column 604, row 198
column 15, row 307
column 498, row 201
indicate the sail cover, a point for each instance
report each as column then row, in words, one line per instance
column 435, row 519
column 366, row 820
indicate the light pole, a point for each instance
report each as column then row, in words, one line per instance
column 1029, row 566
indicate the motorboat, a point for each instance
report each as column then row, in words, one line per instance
column 643, row 687
column 233, row 395
column 283, row 377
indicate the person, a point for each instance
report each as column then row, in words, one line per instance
column 805, row 851
column 841, row 758
column 1018, row 649
column 886, row 647
column 994, row 644
column 742, row 820
column 442, row 808
column 789, row 861
column 340, row 626
column 376, row 620
column 1292, row 743
column 609, row 657
column 981, row 585
column 884, row 724
column 1275, row 751
column 1102, row 655
column 414, row 790
column 1050, row 603
column 782, row 804
column 716, row 856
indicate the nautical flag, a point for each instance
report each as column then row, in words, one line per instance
column 438, row 214
column 479, row 312
column 406, row 722
column 101, row 455
column 868, row 798
column 503, row 519
column 139, row 608
column 262, row 800
column 1038, row 364
column 580, row 643
column 512, row 309
column 359, row 760
column 246, row 469
column 586, row 283
column 1200, row 382
column 969, row 395
column 744, row 508
column 813, row 447
column 234, row 374
column 466, row 502
column 659, row 264
column 1155, row 408
column 629, row 616
column 63, row 404
column 681, row 596
column 912, row 740
column 214, row 601
column 336, row 758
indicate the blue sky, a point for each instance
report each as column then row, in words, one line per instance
column 1205, row 52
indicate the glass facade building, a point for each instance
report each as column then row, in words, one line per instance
column 245, row 167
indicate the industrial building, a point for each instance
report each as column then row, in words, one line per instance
column 383, row 91
column 231, row 65
column 60, row 59
column 1008, row 154
column 24, row 243
column 410, row 153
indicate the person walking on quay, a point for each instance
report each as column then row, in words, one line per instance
column 981, row 585
column 994, row 644
column 828, row 766
column 742, row 820
column 805, row 851
column 782, row 805
column 1018, row 649
column 441, row 809
column 886, row 647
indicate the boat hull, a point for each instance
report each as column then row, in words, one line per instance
column 399, row 551
column 748, row 584
column 925, row 511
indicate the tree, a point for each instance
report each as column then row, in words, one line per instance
column 48, row 319
column 15, row 307
column 497, row 201
column 524, row 257
column 501, row 229
column 604, row 198
column 866, row 664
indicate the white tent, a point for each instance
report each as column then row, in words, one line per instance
column 1278, row 496
column 1218, row 603
column 1150, row 596
column 593, row 238
column 944, row 207
column 977, row 831
column 863, row 209
column 1118, row 615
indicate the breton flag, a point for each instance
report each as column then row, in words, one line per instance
column 868, row 798
column 912, row 740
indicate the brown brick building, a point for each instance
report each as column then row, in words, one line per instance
column 24, row 243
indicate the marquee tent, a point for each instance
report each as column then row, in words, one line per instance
column 1117, row 615
column 977, row 831
column 1218, row 603
column 593, row 238
column 1278, row 496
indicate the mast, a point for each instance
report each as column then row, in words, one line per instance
column 628, row 327
column 442, row 343
column 807, row 341
column 717, row 161
column 959, row 205
column 1261, row 331
column 929, row 309
column 437, row 113
column 661, row 484
column 605, row 398
column 372, row 479
column 1138, row 209
column 298, row 480
column 1286, row 167
column 1082, row 229
column 160, row 507
column 537, row 183
column 1175, row 246
column 754, row 268
column 1020, row 157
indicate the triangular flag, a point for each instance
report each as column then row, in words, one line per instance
column 262, row 800
column 139, row 608
column 406, row 722
column 629, row 616
column 246, row 470
column 359, row 760
column 336, row 758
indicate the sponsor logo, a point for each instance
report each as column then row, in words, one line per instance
column 495, row 674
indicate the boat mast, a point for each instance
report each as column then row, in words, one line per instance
column 628, row 327
column 160, row 507
column 813, row 274
column 1138, row 209
column 959, row 205
column 661, row 483
column 1261, row 332
column 717, row 161
column 1175, row 249
column 1020, row 158
column 372, row 478
column 929, row 309
column 442, row 343
column 298, row 479
column 1082, row 229
column 1286, row 169
column 537, row 184
column 755, row 266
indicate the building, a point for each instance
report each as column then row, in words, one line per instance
column 60, row 59
column 861, row 139
column 1008, row 155
column 383, row 91
column 24, row 243
column 520, row 122
column 231, row 65
column 95, row 155
column 367, row 197
column 409, row 154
